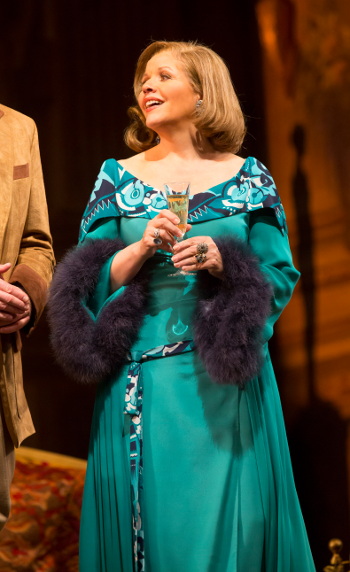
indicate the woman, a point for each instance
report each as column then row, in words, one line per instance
column 188, row 459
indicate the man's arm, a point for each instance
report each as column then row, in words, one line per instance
column 36, row 261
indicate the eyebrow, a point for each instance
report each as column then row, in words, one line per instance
column 161, row 68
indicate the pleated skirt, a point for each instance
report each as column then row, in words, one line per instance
column 219, row 494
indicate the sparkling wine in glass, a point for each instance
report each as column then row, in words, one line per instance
column 178, row 196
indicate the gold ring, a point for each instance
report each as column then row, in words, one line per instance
column 201, row 257
column 202, row 247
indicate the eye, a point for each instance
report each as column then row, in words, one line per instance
column 165, row 76
column 144, row 79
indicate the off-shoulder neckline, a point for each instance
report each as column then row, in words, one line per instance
column 211, row 189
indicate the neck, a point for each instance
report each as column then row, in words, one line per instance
column 183, row 144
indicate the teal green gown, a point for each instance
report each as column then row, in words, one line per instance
column 218, row 488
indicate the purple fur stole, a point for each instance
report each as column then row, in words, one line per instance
column 90, row 350
column 228, row 327
column 232, row 314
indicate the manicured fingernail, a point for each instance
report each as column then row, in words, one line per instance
column 176, row 247
column 176, row 220
column 174, row 259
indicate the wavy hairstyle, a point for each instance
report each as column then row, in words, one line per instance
column 219, row 118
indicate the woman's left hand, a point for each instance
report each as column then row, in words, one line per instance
column 185, row 256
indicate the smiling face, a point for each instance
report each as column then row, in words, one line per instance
column 167, row 98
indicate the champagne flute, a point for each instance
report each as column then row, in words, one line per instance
column 178, row 196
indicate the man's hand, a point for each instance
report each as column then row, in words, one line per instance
column 15, row 307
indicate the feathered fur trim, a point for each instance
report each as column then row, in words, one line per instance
column 227, row 329
column 232, row 314
column 90, row 350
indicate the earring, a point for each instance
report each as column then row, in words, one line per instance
column 157, row 140
column 199, row 103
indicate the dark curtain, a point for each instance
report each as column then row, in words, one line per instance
column 70, row 66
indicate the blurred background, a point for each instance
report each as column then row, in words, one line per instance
column 70, row 65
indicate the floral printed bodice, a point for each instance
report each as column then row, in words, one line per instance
column 117, row 193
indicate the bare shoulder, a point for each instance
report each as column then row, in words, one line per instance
column 132, row 162
column 235, row 161
column 227, row 164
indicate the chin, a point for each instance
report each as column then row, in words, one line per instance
column 154, row 124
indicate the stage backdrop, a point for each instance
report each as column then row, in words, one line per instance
column 70, row 65
column 307, row 80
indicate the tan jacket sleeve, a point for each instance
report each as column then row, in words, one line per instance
column 36, row 260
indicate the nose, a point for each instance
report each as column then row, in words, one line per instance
column 147, row 87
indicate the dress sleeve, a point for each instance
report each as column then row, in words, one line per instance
column 273, row 251
column 101, row 296
column 102, row 204
column 97, row 225
column 91, row 331
column 103, row 229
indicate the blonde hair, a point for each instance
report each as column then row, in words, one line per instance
column 219, row 118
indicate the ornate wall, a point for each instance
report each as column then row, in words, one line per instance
column 307, row 78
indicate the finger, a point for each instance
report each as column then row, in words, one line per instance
column 183, row 254
column 19, row 293
column 14, row 291
column 7, row 297
column 194, row 241
column 6, row 318
column 169, row 226
column 189, row 261
column 167, row 248
column 165, row 213
column 5, row 267
column 166, row 238
column 10, row 309
column 192, row 250
column 13, row 317
column 163, row 246
column 187, row 243
column 12, row 305
column 188, row 228
column 14, row 327
column 191, row 266
column 210, row 264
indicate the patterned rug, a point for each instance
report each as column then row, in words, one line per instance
column 42, row 533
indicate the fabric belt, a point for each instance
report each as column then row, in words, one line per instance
column 133, row 408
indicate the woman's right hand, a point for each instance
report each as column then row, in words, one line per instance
column 166, row 223
column 127, row 263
